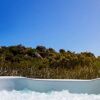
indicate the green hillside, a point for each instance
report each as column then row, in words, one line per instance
column 42, row 62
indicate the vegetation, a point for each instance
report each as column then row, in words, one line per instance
column 42, row 62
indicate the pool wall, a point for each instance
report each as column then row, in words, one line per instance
column 46, row 85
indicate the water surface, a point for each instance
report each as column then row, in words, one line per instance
column 54, row 95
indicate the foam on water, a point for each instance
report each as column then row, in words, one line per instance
column 32, row 95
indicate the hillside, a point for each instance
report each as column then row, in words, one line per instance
column 42, row 62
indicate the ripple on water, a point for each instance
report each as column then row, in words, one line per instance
column 54, row 95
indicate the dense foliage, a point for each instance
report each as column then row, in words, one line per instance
column 42, row 62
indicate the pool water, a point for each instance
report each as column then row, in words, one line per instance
column 54, row 95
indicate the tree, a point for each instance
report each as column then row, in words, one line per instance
column 62, row 51
column 41, row 48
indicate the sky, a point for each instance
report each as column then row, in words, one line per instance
column 69, row 24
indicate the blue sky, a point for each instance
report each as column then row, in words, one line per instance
column 70, row 24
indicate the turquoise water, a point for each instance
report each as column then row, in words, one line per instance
column 53, row 95
column 16, row 88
